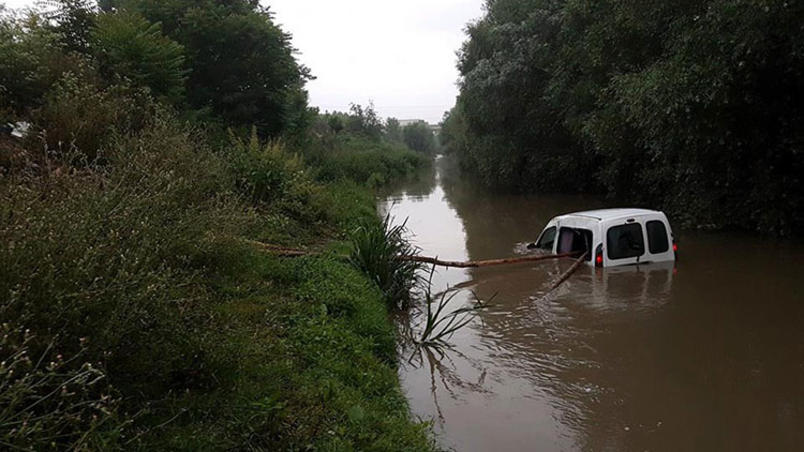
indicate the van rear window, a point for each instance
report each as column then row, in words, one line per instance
column 625, row 241
column 657, row 237
column 575, row 240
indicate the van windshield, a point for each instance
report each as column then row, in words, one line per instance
column 547, row 239
column 575, row 240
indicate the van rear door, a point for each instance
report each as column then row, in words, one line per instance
column 625, row 243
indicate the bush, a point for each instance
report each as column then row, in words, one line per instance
column 78, row 115
column 366, row 162
column 117, row 254
column 51, row 400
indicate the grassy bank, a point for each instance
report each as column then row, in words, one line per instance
column 137, row 314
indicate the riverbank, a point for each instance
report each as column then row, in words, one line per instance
column 136, row 314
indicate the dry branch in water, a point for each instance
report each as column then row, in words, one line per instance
column 487, row 263
column 568, row 273
column 294, row 252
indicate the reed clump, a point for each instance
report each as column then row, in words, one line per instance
column 380, row 249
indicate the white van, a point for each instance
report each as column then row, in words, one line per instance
column 617, row 236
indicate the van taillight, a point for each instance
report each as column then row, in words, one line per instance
column 675, row 247
column 599, row 256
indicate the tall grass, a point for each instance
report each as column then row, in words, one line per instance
column 379, row 249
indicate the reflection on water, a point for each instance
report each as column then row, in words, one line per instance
column 704, row 354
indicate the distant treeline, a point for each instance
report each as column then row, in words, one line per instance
column 365, row 121
column 690, row 106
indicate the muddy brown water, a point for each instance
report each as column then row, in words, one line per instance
column 703, row 354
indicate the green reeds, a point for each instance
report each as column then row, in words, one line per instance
column 380, row 249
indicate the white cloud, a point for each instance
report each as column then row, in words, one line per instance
column 398, row 53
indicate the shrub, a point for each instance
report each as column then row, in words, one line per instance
column 117, row 254
column 78, row 115
column 51, row 400
column 366, row 162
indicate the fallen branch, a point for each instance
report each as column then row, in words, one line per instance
column 296, row 252
column 486, row 263
column 568, row 273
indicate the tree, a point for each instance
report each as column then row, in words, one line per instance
column 419, row 137
column 393, row 131
column 130, row 47
column 74, row 20
column 686, row 105
column 242, row 65
column 364, row 121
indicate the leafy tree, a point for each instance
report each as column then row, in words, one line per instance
column 364, row 121
column 393, row 131
column 32, row 60
column 242, row 65
column 74, row 20
column 419, row 137
column 130, row 47
column 690, row 106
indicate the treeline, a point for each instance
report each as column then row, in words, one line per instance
column 366, row 122
column 695, row 107
column 151, row 148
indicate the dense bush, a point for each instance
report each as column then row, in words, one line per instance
column 694, row 107
column 365, row 161
column 79, row 117
column 50, row 398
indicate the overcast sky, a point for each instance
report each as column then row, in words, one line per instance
column 398, row 53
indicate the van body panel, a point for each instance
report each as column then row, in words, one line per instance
column 626, row 236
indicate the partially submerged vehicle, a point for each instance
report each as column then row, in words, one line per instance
column 611, row 237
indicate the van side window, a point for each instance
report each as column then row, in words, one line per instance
column 657, row 237
column 547, row 239
column 625, row 241
column 575, row 240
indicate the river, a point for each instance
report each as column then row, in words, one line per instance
column 705, row 354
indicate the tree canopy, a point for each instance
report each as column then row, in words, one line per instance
column 691, row 106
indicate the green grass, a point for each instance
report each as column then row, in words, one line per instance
column 135, row 264
column 311, row 366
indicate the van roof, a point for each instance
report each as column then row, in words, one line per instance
column 611, row 214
